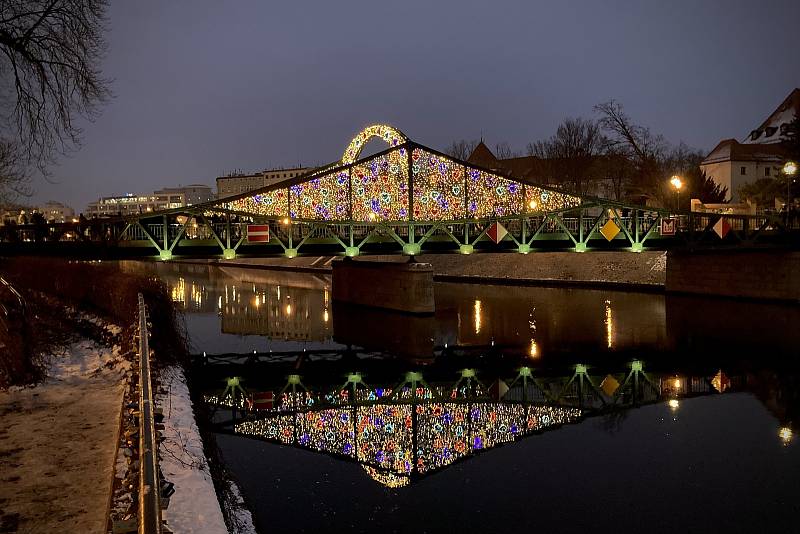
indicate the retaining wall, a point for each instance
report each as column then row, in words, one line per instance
column 759, row 274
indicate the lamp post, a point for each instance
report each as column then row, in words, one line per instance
column 677, row 184
column 789, row 169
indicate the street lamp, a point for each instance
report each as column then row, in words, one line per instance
column 789, row 169
column 677, row 184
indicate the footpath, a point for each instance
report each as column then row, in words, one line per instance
column 57, row 443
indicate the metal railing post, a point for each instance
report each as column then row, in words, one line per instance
column 149, row 490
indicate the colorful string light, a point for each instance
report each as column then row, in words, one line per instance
column 381, row 436
column 444, row 189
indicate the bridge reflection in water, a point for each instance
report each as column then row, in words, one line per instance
column 401, row 433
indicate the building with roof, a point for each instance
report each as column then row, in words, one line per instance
column 162, row 199
column 589, row 175
column 236, row 183
column 761, row 154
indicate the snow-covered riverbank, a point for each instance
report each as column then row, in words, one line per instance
column 194, row 508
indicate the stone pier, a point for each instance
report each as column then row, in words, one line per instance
column 406, row 287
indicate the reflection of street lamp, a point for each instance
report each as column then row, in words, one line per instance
column 789, row 169
column 677, row 184
column 785, row 433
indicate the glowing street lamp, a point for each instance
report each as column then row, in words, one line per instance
column 789, row 169
column 677, row 185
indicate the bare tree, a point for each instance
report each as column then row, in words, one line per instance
column 503, row 151
column 13, row 180
column 644, row 149
column 50, row 51
column 461, row 149
column 570, row 156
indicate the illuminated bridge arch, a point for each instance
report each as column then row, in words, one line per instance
column 405, row 183
column 391, row 136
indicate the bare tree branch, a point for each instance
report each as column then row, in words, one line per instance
column 50, row 75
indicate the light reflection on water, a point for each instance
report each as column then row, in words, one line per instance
column 235, row 309
column 666, row 460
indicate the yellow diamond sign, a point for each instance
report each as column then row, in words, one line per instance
column 609, row 230
column 609, row 385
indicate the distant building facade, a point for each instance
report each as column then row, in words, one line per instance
column 51, row 211
column 54, row 211
column 162, row 199
column 760, row 154
column 235, row 184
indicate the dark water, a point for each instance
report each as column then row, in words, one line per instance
column 706, row 443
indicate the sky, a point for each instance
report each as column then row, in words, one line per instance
column 202, row 87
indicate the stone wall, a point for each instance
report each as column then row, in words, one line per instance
column 755, row 273
column 405, row 287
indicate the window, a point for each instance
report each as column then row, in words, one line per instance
column 743, row 171
column 766, row 171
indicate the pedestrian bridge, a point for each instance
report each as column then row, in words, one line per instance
column 407, row 198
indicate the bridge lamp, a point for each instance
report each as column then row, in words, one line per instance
column 532, row 204
column 677, row 184
column 372, row 216
column 285, row 221
column 789, row 169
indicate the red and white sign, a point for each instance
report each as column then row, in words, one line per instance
column 722, row 227
column 668, row 226
column 263, row 400
column 257, row 233
column 496, row 232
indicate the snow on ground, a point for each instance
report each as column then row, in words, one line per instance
column 244, row 518
column 194, row 506
column 57, row 443
column 84, row 359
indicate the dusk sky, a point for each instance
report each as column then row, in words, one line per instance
column 206, row 87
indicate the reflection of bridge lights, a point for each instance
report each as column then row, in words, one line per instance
column 325, row 316
column 533, row 352
column 785, row 433
column 477, row 312
column 257, row 301
column 179, row 291
column 288, row 309
column 609, row 321
column 674, row 404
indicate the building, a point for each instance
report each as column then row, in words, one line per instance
column 761, row 154
column 54, row 211
column 187, row 195
column 558, row 173
column 235, row 184
column 163, row 199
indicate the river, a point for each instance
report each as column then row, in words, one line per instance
column 702, row 440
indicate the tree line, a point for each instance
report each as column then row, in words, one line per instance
column 634, row 162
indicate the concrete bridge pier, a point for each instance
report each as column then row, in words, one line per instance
column 405, row 287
